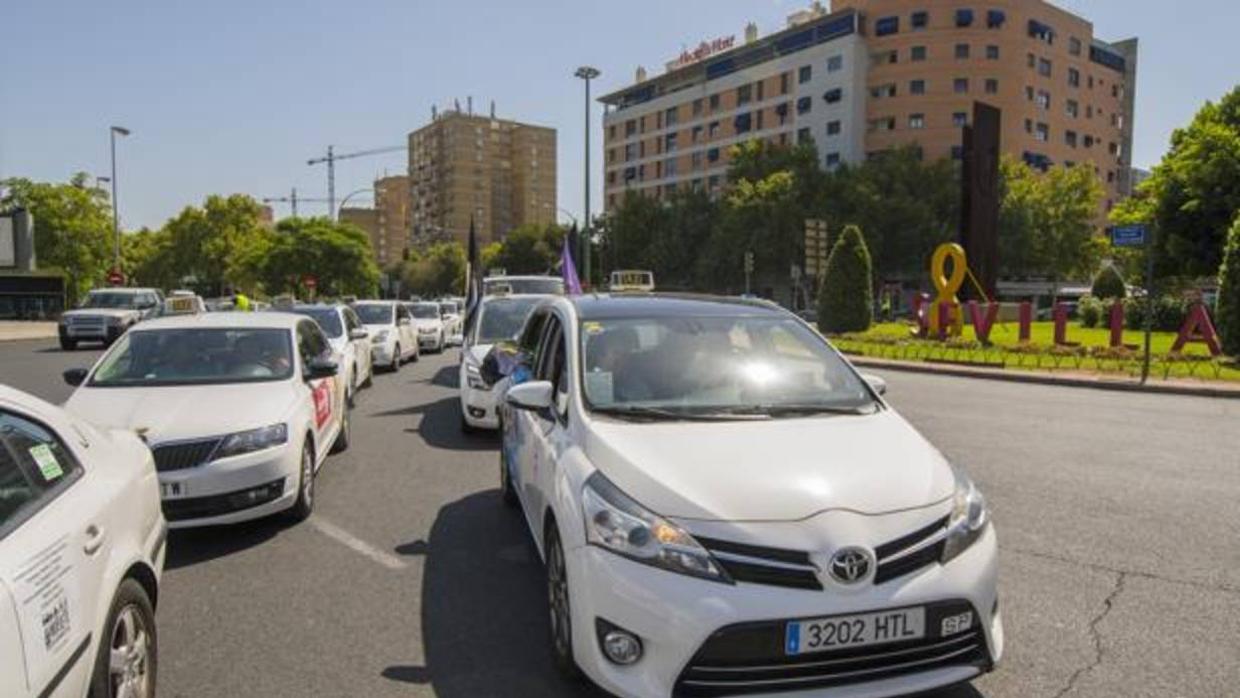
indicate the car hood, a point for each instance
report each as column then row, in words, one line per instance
column 771, row 470
column 185, row 412
column 433, row 324
column 100, row 312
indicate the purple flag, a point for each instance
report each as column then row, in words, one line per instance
column 572, row 285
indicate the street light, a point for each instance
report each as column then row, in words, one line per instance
column 348, row 196
column 567, row 213
column 587, row 73
column 116, row 218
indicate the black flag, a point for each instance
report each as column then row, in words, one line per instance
column 473, row 278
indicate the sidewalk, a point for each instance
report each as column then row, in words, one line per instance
column 14, row 330
column 1197, row 388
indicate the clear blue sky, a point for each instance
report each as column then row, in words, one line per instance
column 233, row 96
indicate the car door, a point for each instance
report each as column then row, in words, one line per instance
column 405, row 329
column 54, row 545
column 323, row 392
column 516, row 424
column 360, row 347
column 537, row 425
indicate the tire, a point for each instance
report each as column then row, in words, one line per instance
column 130, row 632
column 67, row 344
column 350, row 396
column 417, row 352
column 303, row 506
column 345, row 437
column 395, row 360
column 370, row 377
column 507, row 491
column 560, row 607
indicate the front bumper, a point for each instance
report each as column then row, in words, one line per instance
column 430, row 340
column 478, row 406
column 231, row 490
column 90, row 332
column 678, row 618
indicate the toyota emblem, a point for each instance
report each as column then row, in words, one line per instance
column 850, row 565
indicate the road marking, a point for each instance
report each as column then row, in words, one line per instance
column 340, row 535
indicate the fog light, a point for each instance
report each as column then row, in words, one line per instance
column 622, row 647
column 477, row 412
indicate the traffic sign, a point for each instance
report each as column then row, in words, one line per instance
column 309, row 282
column 1134, row 235
column 116, row 277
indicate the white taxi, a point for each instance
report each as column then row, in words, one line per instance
column 431, row 325
column 499, row 319
column 82, row 547
column 393, row 337
column 240, row 410
column 349, row 339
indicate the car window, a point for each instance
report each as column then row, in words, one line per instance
column 34, row 466
column 198, row 355
column 311, row 343
column 374, row 313
column 351, row 321
column 552, row 357
column 531, row 336
column 328, row 319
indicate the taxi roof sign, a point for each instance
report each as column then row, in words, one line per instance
column 631, row 280
column 184, row 304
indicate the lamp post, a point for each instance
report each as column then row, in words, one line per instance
column 116, row 219
column 587, row 73
column 348, row 196
column 569, row 214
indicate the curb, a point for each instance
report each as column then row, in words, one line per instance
column 1214, row 390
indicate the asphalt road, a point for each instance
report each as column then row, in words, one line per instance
column 1117, row 515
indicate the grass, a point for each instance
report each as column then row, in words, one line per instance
column 893, row 340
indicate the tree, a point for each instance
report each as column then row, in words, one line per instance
column 1228, row 308
column 437, row 271
column 846, row 302
column 72, row 228
column 337, row 254
column 1108, row 284
column 1194, row 192
column 147, row 257
column 531, row 249
column 221, row 246
column 1047, row 221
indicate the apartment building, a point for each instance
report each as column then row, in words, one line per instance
column 393, row 227
column 1066, row 97
column 803, row 84
column 368, row 220
column 498, row 173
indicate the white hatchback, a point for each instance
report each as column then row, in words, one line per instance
column 393, row 336
column 499, row 319
column 82, row 545
column 349, row 339
column 240, row 410
column 726, row 507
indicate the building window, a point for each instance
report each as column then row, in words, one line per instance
column 916, row 120
column 781, row 110
column 630, row 128
column 960, row 85
column 917, row 53
column 714, row 102
column 960, row 119
column 1112, row 148
column 696, row 134
column 697, row 107
column 919, row 20
column 962, row 50
column 1074, row 46
column 1028, row 125
column 995, row 19
column 1041, row 32
column 670, row 143
column 783, row 83
column 1110, row 176
column 611, row 155
column 1089, row 141
column 712, row 131
column 917, row 87
column 833, row 128
column 1032, row 60
column 964, row 17
column 992, row 86
column 1044, row 99
column 744, row 94
column 886, row 25
column 1074, row 77
column 1115, row 91
column 1089, row 111
column 805, row 73
column 1072, row 107
column 669, row 167
column 1041, row 132
column 712, row 155
column 1069, row 137
column 887, row 90
column 992, row 52
column 833, row 96
column 1029, row 93
column 760, row 113
column 630, row 151
column 1090, row 81
column 611, row 132
column 835, row 63
column 804, row 104
column 743, row 123
column 671, row 117
column 833, row 159
column 1044, row 67
column 886, row 123
column 803, row 136
column 641, row 125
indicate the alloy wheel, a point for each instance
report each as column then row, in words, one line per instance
column 557, row 597
column 129, row 669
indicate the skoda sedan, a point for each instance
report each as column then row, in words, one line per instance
column 725, row 506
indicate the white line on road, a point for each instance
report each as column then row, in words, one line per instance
column 340, row 535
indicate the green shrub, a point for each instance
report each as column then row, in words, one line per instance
column 846, row 303
column 1227, row 308
column 1108, row 284
column 1169, row 313
column 1092, row 312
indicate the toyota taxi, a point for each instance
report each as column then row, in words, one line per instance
column 726, row 507
column 239, row 409
column 82, row 547
column 500, row 318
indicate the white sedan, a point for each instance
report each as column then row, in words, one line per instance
column 393, row 337
column 349, row 339
column 428, row 319
column 82, row 546
column 500, row 318
column 726, row 507
column 240, row 410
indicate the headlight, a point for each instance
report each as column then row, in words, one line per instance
column 252, row 440
column 473, row 376
column 381, row 336
column 616, row 522
column 968, row 518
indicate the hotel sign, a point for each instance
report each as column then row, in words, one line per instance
column 703, row 50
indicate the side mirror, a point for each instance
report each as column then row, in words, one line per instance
column 321, row 368
column 358, row 334
column 75, row 376
column 534, row 395
column 877, row 384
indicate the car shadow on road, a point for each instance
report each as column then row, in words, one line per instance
column 484, row 612
column 440, row 426
column 192, row 546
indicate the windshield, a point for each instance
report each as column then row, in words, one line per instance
column 195, row 356
column 425, row 311
column 538, row 285
column 374, row 313
column 502, row 318
column 449, row 308
column 328, row 319
column 109, row 299
column 715, row 365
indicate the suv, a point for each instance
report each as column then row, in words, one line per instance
column 106, row 314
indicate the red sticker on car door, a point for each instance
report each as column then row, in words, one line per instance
column 322, row 402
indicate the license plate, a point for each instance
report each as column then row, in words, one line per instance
column 172, row 490
column 860, row 630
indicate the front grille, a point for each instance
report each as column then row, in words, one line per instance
column 750, row 658
column 761, row 565
column 912, row 552
column 184, row 454
column 220, row 504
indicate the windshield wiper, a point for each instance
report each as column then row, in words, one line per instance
column 658, row 413
column 779, row 410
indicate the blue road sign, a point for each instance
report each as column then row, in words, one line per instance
column 1129, row 235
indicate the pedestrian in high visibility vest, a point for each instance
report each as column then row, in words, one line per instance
column 241, row 303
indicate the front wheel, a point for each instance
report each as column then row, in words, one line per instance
column 395, row 359
column 507, row 491
column 304, row 504
column 346, row 431
column 128, row 654
column 560, row 607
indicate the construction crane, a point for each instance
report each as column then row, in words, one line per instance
column 292, row 198
column 331, row 159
